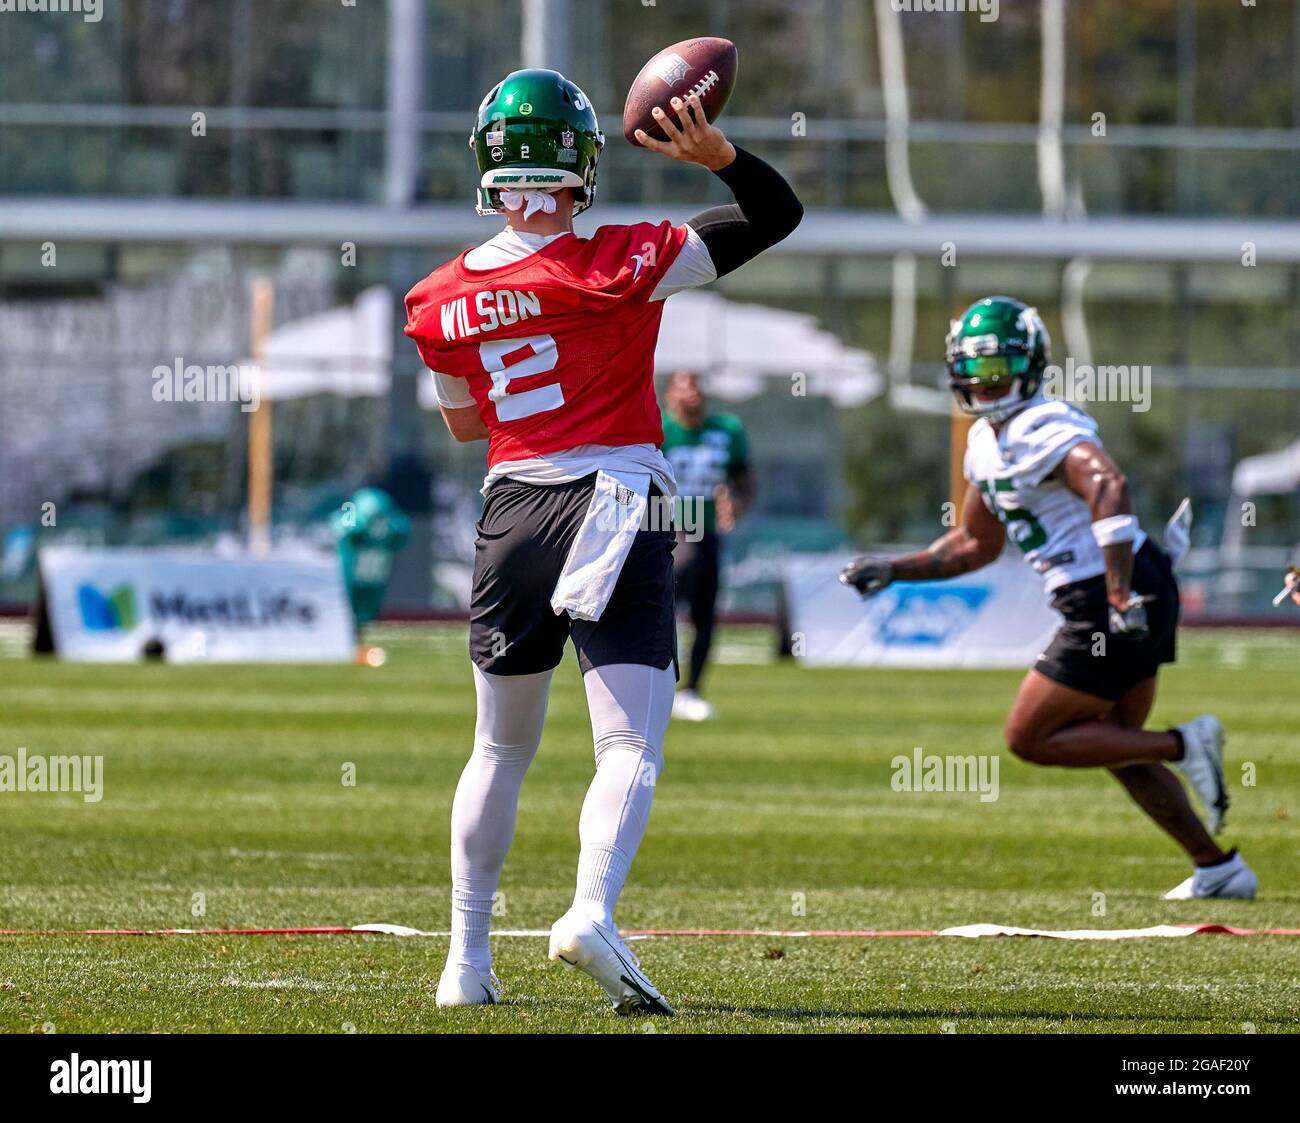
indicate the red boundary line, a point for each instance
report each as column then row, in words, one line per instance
column 829, row 933
column 182, row 932
column 1198, row 929
column 398, row 615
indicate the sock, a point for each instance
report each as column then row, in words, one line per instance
column 511, row 711
column 602, row 872
column 630, row 707
column 471, row 918
column 1182, row 745
column 1229, row 857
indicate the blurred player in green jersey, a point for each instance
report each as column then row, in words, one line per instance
column 709, row 453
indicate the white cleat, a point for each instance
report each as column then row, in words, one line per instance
column 1230, row 878
column 462, row 985
column 601, row 953
column 689, row 706
column 1202, row 764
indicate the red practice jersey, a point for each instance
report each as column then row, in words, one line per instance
column 557, row 348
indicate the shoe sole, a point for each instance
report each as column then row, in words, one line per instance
column 489, row 999
column 461, row 1005
column 1215, row 896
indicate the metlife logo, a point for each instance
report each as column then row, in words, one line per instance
column 261, row 609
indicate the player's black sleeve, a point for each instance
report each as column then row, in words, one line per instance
column 766, row 210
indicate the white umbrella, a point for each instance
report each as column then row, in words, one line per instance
column 1270, row 473
column 345, row 351
column 742, row 346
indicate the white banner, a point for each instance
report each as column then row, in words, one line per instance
column 995, row 617
column 109, row 605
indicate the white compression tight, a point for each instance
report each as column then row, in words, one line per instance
column 630, row 706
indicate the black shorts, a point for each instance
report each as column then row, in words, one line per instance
column 1085, row 656
column 524, row 537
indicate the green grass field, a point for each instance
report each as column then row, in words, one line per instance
column 227, row 782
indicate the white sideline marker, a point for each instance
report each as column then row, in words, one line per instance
column 964, row 931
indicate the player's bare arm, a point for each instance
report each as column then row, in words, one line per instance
column 977, row 542
column 465, row 424
column 734, row 498
column 1096, row 478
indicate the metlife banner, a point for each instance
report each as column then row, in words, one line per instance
column 996, row 617
column 107, row 605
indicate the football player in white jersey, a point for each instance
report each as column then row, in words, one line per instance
column 1037, row 474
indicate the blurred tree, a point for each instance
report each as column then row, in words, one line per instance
column 896, row 473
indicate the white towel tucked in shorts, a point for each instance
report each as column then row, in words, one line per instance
column 615, row 515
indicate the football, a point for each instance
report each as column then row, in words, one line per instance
column 705, row 66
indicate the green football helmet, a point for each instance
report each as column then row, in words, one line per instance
column 997, row 342
column 536, row 130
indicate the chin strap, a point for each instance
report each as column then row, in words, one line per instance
column 529, row 201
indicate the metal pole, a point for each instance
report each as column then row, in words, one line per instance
column 1295, row 67
column 401, row 177
column 545, row 40
column 893, row 88
column 241, row 82
column 405, row 93
column 1051, row 110
column 1184, row 161
column 406, row 473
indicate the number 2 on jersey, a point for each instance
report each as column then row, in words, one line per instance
column 505, row 359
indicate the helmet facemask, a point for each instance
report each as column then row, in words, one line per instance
column 981, row 372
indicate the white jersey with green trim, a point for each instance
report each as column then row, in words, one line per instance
column 1012, row 468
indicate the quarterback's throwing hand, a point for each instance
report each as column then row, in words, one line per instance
column 690, row 137
column 868, row 575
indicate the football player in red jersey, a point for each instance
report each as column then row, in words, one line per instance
column 543, row 343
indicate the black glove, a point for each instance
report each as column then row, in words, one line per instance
column 868, row 575
column 1131, row 622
